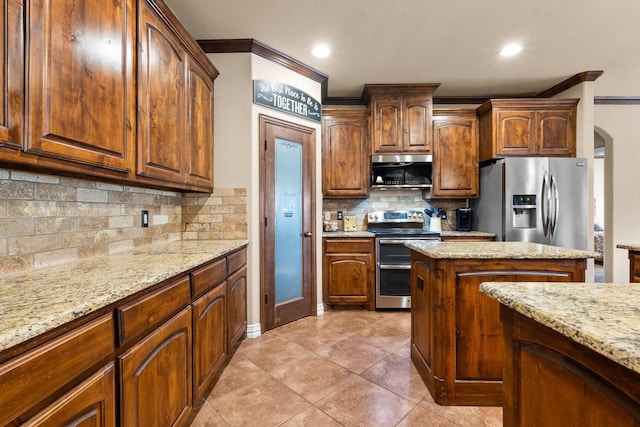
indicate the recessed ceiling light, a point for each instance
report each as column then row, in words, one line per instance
column 511, row 49
column 321, row 51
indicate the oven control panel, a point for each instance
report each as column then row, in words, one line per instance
column 398, row 216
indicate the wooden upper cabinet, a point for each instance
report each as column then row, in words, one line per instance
column 11, row 74
column 162, row 73
column 81, row 104
column 345, row 153
column 401, row 117
column 199, row 126
column 175, row 102
column 527, row 127
column 455, row 154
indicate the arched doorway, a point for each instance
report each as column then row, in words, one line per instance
column 603, row 203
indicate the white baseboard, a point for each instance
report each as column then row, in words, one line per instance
column 320, row 309
column 254, row 330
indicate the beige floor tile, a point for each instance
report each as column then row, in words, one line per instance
column 311, row 417
column 265, row 403
column 363, row 403
column 313, row 377
column 207, row 417
column 397, row 374
column 316, row 340
column 239, row 372
column 383, row 337
column 280, row 353
column 423, row 417
column 354, row 354
column 466, row 416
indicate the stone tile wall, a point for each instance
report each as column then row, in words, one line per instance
column 48, row 220
column 391, row 199
column 219, row 215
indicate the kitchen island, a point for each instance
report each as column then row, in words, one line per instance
column 456, row 334
column 634, row 261
column 571, row 358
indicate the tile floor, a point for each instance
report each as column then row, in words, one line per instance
column 343, row 368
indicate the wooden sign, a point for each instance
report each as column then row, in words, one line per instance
column 282, row 97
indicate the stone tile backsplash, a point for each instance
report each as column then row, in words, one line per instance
column 391, row 199
column 48, row 220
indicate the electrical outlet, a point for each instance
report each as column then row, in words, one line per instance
column 340, row 216
column 145, row 218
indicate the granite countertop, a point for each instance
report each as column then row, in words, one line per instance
column 631, row 247
column 604, row 317
column 466, row 234
column 38, row 301
column 495, row 250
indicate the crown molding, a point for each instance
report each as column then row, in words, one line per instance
column 258, row 48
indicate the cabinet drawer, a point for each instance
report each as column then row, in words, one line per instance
column 140, row 315
column 236, row 260
column 348, row 245
column 30, row 378
column 208, row 277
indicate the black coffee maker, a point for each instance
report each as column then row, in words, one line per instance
column 464, row 218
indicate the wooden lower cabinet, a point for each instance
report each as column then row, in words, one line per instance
column 236, row 307
column 348, row 273
column 551, row 380
column 209, row 338
column 456, row 336
column 93, row 403
column 32, row 380
column 634, row 267
column 155, row 376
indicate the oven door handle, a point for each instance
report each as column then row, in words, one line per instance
column 394, row 266
column 394, row 241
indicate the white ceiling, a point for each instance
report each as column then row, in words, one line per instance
column 452, row 42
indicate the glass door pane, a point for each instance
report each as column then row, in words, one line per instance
column 288, row 207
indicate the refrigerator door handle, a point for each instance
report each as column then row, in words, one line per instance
column 544, row 205
column 556, row 198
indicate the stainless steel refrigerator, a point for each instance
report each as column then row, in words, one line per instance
column 534, row 199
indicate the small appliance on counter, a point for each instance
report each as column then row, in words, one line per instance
column 464, row 219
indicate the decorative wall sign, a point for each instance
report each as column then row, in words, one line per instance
column 282, row 97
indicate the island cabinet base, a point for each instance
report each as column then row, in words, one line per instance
column 456, row 336
column 552, row 380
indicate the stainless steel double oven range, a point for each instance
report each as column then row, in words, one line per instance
column 393, row 259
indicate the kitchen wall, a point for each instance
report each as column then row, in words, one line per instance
column 391, row 199
column 47, row 220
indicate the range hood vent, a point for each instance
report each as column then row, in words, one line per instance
column 401, row 171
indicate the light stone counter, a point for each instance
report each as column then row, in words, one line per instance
column 38, row 301
column 604, row 317
column 495, row 250
column 452, row 233
column 631, row 247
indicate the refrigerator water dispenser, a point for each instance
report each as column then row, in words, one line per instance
column 524, row 210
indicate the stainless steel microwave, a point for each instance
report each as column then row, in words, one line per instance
column 401, row 171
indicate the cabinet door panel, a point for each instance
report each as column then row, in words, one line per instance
column 455, row 168
column 236, row 307
column 156, row 376
column 92, row 403
column 417, row 125
column 161, row 99
column 81, row 101
column 516, row 132
column 345, row 155
column 556, row 133
column 387, row 116
column 209, row 338
column 200, row 127
column 11, row 73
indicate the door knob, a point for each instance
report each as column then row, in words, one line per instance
column 308, row 234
